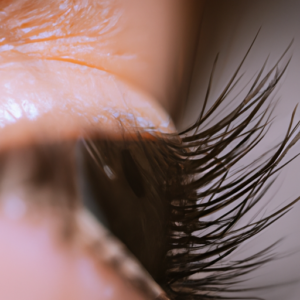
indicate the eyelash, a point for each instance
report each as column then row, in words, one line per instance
column 190, row 177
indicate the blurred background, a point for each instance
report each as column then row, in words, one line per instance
column 229, row 27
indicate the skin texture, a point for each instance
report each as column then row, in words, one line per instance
column 35, row 264
column 73, row 68
column 83, row 65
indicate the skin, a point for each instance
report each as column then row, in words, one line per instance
column 66, row 71
column 75, row 78
column 35, row 264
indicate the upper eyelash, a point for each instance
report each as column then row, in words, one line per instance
column 191, row 174
column 207, row 156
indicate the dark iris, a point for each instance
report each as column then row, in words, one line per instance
column 117, row 188
column 132, row 173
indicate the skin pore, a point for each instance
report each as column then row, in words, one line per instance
column 80, row 68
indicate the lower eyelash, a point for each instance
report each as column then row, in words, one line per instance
column 186, row 199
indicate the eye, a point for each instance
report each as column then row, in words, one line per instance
column 132, row 174
column 130, row 203
column 164, row 188
column 106, row 72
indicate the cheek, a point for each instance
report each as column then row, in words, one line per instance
column 34, row 265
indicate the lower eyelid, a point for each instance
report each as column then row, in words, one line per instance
column 46, row 194
column 107, row 249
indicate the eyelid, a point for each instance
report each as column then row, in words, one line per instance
column 106, row 248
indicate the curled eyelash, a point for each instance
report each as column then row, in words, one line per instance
column 197, row 262
column 186, row 196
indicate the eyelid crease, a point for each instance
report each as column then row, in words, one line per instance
column 113, row 253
